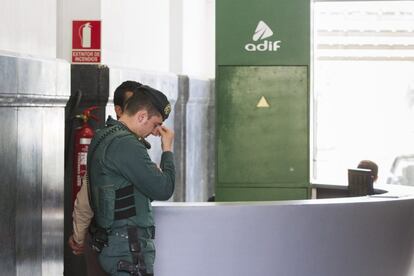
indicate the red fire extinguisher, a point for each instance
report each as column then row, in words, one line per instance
column 83, row 137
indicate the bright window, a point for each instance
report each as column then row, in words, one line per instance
column 363, row 86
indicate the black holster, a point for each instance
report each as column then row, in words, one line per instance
column 137, row 267
column 99, row 237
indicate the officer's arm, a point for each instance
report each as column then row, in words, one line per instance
column 82, row 216
column 131, row 159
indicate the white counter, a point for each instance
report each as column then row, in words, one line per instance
column 365, row 236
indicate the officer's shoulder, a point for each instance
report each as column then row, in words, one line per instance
column 127, row 139
column 104, row 132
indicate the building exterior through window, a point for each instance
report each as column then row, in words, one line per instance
column 363, row 89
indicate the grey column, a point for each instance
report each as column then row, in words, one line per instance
column 8, row 165
column 33, row 93
column 180, row 143
column 200, row 140
column 211, row 141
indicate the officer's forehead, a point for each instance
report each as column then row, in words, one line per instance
column 157, row 119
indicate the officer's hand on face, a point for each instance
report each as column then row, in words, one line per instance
column 167, row 137
column 156, row 131
column 77, row 249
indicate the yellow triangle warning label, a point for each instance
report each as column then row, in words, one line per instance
column 263, row 102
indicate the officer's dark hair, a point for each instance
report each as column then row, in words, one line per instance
column 140, row 101
column 120, row 92
column 369, row 165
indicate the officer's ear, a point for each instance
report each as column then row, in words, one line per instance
column 118, row 111
column 142, row 116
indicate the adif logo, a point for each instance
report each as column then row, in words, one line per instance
column 262, row 32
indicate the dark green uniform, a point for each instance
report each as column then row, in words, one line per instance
column 123, row 182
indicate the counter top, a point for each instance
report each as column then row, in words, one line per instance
column 382, row 192
column 367, row 236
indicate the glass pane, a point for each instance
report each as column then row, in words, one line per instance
column 363, row 86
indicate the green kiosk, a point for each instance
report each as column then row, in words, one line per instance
column 262, row 99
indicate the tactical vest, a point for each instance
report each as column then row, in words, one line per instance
column 114, row 200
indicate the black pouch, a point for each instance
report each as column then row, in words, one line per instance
column 99, row 238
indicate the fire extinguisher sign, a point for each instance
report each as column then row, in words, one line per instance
column 86, row 41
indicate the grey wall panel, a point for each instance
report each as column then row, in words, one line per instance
column 180, row 143
column 62, row 78
column 109, row 109
column 8, row 75
column 8, row 161
column 211, row 141
column 165, row 82
column 200, row 140
column 33, row 93
column 36, row 76
column 52, row 191
column 29, row 192
column 358, row 237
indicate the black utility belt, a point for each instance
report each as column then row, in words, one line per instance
column 124, row 232
column 99, row 236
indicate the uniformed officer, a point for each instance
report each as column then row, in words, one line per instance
column 123, row 181
column 82, row 212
